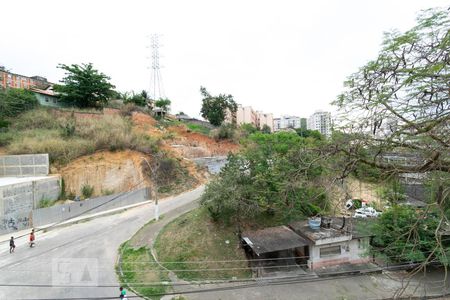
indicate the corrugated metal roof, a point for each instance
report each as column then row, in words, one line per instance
column 273, row 239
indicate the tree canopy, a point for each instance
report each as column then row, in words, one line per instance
column 164, row 104
column 83, row 86
column 273, row 178
column 214, row 108
column 394, row 119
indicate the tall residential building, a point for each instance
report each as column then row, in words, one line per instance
column 286, row 122
column 246, row 115
column 320, row 121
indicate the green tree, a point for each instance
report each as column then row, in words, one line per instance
column 403, row 234
column 164, row 104
column 274, row 178
column 400, row 101
column 309, row 133
column 83, row 86
column 266, row 129
column 137, row 99
column 214, row 108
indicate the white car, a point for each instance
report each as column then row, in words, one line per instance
column 368, row 211
column 359, row 215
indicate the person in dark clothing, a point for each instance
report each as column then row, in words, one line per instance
column 32, row 238
column 12, row 245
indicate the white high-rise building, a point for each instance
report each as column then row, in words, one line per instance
column 320, row 121
column 286, row 122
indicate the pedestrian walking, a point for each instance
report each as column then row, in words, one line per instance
column 32, row 238
column 12, row 245
column 123, row 293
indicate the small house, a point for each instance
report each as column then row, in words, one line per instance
column 47, row 97
column 335, row 242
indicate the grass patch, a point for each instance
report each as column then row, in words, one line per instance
column 192, row 245
column 139, row 268
column 198, row 128
column 64, row 138
column 46, row 203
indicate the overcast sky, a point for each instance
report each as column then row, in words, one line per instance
column 283, row 57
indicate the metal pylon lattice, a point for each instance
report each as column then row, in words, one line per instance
column 156, row 83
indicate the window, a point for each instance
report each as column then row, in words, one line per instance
column 46, row 99
column 330, row 251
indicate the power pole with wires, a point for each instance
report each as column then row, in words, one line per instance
column 156, row 83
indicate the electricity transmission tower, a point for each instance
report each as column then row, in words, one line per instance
column 156, row 83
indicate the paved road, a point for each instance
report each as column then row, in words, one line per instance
column 83, row 254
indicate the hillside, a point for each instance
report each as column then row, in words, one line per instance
column 107, row 151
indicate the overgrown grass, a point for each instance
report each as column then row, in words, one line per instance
column 140, row 269
column 192, row 245
column 42, row 131
column 46, row 203
column 198, row 128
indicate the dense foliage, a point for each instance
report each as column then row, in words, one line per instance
column 84, row 86
column 404, row 234
column 14, row 102
column 164, row 104
column 274, row 178
column 215, row 108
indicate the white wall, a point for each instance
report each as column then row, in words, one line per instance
column 356, row 253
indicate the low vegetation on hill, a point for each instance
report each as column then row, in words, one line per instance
column 66, row 137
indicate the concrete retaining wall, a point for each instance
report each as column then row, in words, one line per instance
column 19, row 198
column 24, row 165
column 58, row 213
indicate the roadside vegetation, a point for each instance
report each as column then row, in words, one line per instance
column 196, row 248
column 139, row 271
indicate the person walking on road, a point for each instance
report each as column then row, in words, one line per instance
column 12, row 245
column 32, row 238
column 123, row 293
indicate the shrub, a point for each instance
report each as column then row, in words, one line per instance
column 16, row 101
column 87, row 190
column 36, row 119
column 45, row 202
column 225, row 131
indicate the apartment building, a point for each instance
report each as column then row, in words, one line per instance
column 286, row 122
column 12, row 80
column 320, row 121
column 246, row 115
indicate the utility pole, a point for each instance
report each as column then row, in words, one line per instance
column 154, row 170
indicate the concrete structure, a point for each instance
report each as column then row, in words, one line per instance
column 264, row 119
column 20, row 195
column 337, row 241
column 246, row 115
column 58, row 213
column 24, row 183
column 24, row 165
column 286, row 122
column 12, row 80
column 320, row 121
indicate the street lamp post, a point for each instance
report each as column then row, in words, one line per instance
column 153, row 171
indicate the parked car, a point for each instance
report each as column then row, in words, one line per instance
column 359, row 215
column 368, row 211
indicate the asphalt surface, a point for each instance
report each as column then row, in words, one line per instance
column 76, row 261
